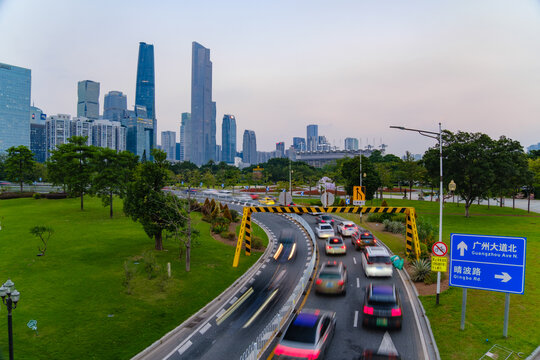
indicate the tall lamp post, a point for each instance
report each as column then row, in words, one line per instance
column 452, row 188
column 10, row 297
column 436, row 136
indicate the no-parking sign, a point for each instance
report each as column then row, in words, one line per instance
column 439, row 249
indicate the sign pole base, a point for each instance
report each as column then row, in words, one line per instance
column 463, row 308
column 506, row 314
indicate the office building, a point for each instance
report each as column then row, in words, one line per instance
column 228, row 138
column 114, row 106
column 57, row 131
column 280, row 149
column 145, row 88
column 249, row 148
column 108, row 134
column 88, row 99
column 177, row 158
column 38, row 140
column 299, row 144
column 533, row 147
column 312, row 137
column 351, row 143
column 140, row 132
column 168, row 144
column 202, row 127
column 185, row 136
column 15, row 84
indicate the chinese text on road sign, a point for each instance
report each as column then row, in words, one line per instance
column 439, row 263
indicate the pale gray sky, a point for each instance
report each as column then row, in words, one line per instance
column 353, row 67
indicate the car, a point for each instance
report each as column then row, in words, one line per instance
column 382, row 307
column 286, row 250
column 346, row 228
column 372, row 354
column 335, row 245
column 324, row 230
column 308, row 336
column 324, row 219
column 362, row 238
column 267, row 200
column 376, row 262
column 332, row 278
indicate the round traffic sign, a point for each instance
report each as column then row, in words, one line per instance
column 439, row 249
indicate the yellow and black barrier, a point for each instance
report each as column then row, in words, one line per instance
column 411, row 233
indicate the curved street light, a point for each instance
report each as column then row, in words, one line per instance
column 10, row 297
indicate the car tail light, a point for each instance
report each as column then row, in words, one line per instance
column 343, row 247
column 329, row 247
column 368, row 310
column 314, row 355
column 396, row 312
column 323, row 221
column 374, row 241
column 318, row 282
column 294, row 352
column 340, row 282
column 369, row 262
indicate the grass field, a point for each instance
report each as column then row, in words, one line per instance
column 78, row 293
column 485, row 309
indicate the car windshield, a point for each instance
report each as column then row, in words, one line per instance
column 379, row 259
column 335, row 241
column 326, row 217
column 302, row 329
column 348, row 226
column 329, row 275
column 326, row 227
column 366, row 236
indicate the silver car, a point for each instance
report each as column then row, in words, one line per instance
column 346, row 228
column 376, row 262
column 324, row 230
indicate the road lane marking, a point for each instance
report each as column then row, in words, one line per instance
column 258, row 312
column 184, row 347
column 356, row 318
column 233, row 300
column 220, row 312
column 258, row 273
column 205, row 328
column 230, row 310
column 357, row 282
column 354, row 260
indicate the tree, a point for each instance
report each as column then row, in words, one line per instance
column 19, row 165
column 44, row 233
column 112, row 172
column 410, row 171
column 70, row 166
column 467, row 159
column 510, row 167
column 350, row 171
column 145, row 202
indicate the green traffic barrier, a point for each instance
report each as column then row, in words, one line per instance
column 397, row 261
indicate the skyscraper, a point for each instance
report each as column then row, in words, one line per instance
column 38, row 141
column 168, row 144
column 185, row 137
column 351, row 143
column 249, row 148
column 280, row 149
column 88, row 99
column 140, row 132
column 145, row 89
column 312, row 137
column 228, row 138
column 114, row 106
column 14, row 106
column 202, row 127
column 299, row 144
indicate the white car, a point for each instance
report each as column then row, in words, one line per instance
column 335, row 246
column 376, row 262
column 324, row 230
column 346, row 228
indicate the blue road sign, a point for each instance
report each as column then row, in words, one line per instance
column 200, row 185
column 222, row 185
column 267, row 188
column 302, row 193
column 495, row 263
column 348, row 201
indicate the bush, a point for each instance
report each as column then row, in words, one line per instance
column 37, row 196
column 228, row 235
column 426, row 232
column 150, row 265
column 257, row 243
column 431, row 278
column 379, row 217
column 395, row 227
column 227, row 213
column 55, row 196
column 219, row 225
column 234, row 215
column 384, row 203
column 420, row 269
column 15, row 195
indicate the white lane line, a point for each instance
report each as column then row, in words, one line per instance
column 355, row 319
column 205, row 328
column 233, row 300
column 262, row 267
column 258, row 273
column 357, row 282
column 184, row 347
column 221, row 312
column 354, row 260
column 251, row 280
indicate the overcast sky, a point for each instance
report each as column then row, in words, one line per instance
column 352, row 67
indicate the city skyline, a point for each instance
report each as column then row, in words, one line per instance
column 471, row 67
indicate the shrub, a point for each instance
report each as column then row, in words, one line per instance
column 219, row 225
column 228, row 235
column 395, row 227
column 257, row 243
column 426, row 232
column 128, row 276
column 379, row 217
column 384, row 203
column 234, row 215
column 215, row 213
column 150, row 265
column 15, row 195
column 55, row 196
column 36, row 196
column 420, row 269
column 227, row 213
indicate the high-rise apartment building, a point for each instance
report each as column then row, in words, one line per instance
column 57, row 131
column 228, row 139
column 145, row 90
column 108, row 134
column 177, row 158
column 299, row 144
column 114, row 106
column 88, row 99
column 351, row 143
column 280, row 149
column 312, row 137
column 202, row 127
column 185, row 137
column 38, row 140
column 168, row 144
column 249, row 148
column 15, row 83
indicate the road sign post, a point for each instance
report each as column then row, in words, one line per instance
column 439, row 249
column 494, row 263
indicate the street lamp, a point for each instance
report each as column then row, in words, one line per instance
column 436, row 136
column 452, row 188
column 10, row 297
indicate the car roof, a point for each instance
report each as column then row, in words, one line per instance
column 346, row 222
column 383, row 292
column 321, row 225
column 377, row 251
column 332, row 267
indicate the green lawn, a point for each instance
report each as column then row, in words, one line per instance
column 485, row 309
column 77, row 291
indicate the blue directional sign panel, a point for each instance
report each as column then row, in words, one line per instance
column 495, row 263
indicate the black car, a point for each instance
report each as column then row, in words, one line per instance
column 382, row 307
column 361, row 238
column 286, row 250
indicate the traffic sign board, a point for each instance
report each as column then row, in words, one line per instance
column 439, row 263
column 327, row 199
column 359, row 193
column 439, row 249
column 359, row 202
column 495, row 263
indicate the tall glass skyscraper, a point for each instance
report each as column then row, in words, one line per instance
column 299, row 144
column 168, row 144
column 38, row 140
column 114, row 106
column 202, row 127
column 88, row 99
column 185, row 137
column 15, row 83
column 249, row 148
column 145, row 91
column 312, row 137
column 228, row 139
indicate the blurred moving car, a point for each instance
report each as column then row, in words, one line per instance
column 370, row 354
column 308, row 336
column 286, row 250
column 376, row 262
column 267, row 200
column 324, row 230
column 332, row 278
column 382, row 307
column 335, row 245
column 324, row 219
column 362, row 238
column 346, row 228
